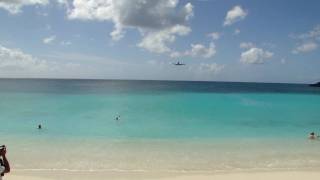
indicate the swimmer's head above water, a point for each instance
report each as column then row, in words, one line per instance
column 312, row 135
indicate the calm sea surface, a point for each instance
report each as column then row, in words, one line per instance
column 162, row 125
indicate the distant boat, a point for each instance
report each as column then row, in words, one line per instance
column 315, row 85
column 179, row 64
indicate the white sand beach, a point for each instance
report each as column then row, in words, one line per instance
column 292, row 175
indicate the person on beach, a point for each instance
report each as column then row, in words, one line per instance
column 4, row 163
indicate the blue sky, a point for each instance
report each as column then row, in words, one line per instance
column 219, row 40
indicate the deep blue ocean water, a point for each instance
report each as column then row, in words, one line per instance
column 209, row 123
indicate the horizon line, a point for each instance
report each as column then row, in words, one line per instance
column 105, row 79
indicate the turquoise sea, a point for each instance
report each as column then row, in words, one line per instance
column 163, row 126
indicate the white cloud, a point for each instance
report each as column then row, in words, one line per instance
column 151, row 14
column 234, row 15
column 305, row 47
column 246, row 45
column 269, row 45
column 49, row 40
column 255, row 56
column 197, row 50
column 65, row 43
column 307, row 41
column 312, row 34
column 159, row 21
column 14, row 6
column 63, row 2
column 157, row 41
column 16, row 60
column 211, row 68
column 16, row 63
column 236, row 31
column 176, row 54
column 215, row 35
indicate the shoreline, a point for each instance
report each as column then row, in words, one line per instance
column 275, row 175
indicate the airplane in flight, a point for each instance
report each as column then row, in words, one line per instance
column 179, row 64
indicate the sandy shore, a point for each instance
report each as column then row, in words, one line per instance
column 295, row 175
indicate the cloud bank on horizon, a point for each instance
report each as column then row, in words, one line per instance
column 227, row 49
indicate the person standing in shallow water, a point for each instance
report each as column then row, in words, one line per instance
column 4, row 163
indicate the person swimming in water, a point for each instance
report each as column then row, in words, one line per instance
column 118, row 118
column 39, row 126
column 313, row 136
